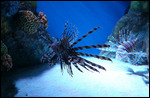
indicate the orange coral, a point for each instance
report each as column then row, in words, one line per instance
column 40, row 14
column 43, row 19
column 6, row 62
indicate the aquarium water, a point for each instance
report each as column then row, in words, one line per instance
column 45, row 81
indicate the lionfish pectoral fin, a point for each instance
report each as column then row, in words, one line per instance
column 79, row 61
column 101, row 67
column 92, row 68
column 84, row 36
column 91, row 46
column 83, row 66
column 77, row 67
column 96, row 56
column 96, row 65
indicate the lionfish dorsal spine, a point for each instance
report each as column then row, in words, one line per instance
column 69, row 34
column 73, row 35
column 65, row 29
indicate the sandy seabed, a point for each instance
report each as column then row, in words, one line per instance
column 114, row 82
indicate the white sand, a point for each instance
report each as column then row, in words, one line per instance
column 111, row 83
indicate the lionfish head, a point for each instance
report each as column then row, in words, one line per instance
column 55, row 45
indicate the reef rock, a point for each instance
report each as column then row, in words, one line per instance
column 27, row 40
column 6, row 62
column 9, row 8
column 26, row 50
column 137, row 21
column 28, row 5
column 4, row 49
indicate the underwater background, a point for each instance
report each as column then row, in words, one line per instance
column 28, row 28
column 85, row 15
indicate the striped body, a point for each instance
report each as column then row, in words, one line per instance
column 125, row 48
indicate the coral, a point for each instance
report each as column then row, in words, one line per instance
column 4, row 49
column 26, row 50
column 4, row 26
column 135, row 19
column 22, row 32
column 9, row 8
column 28, row 5
column 43, row 19
column 140, row 6
column 33, row 3
column 6, row 62
column 27, row 21
column 7, row 27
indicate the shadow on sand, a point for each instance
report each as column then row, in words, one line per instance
column 8, row 78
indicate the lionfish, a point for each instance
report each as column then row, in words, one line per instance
column 124, row 48
column 63, row 51
column 126, row 45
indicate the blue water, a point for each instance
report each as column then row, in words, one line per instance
column 85, row 15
